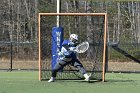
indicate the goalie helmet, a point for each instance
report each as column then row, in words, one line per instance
column 74, row 38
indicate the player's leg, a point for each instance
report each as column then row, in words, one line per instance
column 82, row 70
column 57, row 67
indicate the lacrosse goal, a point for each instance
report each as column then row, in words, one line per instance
column 91, row 27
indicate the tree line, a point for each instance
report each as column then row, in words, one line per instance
column 19, row 19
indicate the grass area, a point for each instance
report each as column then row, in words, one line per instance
column 27, row 82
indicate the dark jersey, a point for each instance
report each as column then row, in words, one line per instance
column 66, row 53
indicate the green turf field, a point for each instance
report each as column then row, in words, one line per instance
column 27, row 82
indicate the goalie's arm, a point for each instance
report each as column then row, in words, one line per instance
column 65, row 51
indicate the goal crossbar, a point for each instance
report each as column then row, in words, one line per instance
column 75, row 14
column 72, row 14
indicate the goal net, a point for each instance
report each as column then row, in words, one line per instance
column 89, row 27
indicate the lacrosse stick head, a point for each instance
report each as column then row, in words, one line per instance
column 83, row 47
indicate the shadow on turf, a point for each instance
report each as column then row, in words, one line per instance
column 96, row 81
column 80, row 81
column 116, row 80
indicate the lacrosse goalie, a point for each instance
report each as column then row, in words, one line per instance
column 68, row 56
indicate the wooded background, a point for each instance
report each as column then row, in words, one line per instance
column 18, row 25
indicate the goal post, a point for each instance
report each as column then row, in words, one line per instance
column 98, row 45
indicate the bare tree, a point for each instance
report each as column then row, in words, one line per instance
column 138, row 21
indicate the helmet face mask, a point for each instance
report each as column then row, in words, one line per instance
column 73, row 38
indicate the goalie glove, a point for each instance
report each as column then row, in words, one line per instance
column 61, row 56
column 64, row 57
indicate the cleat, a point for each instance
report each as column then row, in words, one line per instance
column 87, row 79
column 51, row 80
